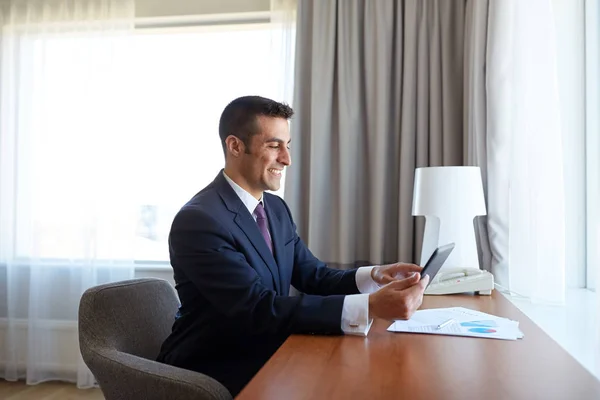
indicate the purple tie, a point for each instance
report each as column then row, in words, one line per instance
column 263, row 224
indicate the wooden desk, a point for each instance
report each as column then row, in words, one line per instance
column 387, row 365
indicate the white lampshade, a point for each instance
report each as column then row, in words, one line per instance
column 449, row 198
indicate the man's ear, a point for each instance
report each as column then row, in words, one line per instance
column 234, row 146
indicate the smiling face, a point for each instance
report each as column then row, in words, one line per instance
column 259, row 166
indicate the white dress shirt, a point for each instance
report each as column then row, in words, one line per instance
column 355, row 313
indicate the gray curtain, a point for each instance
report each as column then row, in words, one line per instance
column 475, row 110
column 379, row 91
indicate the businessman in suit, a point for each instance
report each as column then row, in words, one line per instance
column 235, row 251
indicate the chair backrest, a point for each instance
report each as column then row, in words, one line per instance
column 122, row 326
column 133, row 316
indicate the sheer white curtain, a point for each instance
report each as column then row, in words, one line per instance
column 592, row 144
column 66, row 218
column 592, row 123
column 283, row 44
column 283, row 23
column 542, row 146
column 526, row 190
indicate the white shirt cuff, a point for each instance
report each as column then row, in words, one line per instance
column 355, row 315
column 364, row 282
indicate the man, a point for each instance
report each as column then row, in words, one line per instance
column 235, row 251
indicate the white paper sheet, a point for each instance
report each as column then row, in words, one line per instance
column 466, row 322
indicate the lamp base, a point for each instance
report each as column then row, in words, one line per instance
column 461, row 280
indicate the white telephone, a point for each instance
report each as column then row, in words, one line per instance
column 460, row 280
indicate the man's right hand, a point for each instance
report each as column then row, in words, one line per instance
column 398, row 299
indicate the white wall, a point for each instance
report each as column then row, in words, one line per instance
column 170, row 8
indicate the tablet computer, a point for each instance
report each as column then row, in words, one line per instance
column 435, row 262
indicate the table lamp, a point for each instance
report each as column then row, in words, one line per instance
column 450, row 198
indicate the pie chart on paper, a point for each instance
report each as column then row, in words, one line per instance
column 480, row 326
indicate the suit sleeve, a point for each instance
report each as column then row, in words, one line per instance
column 206, row 254
column 312, row 276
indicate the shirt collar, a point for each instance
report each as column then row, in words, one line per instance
column 249, row 201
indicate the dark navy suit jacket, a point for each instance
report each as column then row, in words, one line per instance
column 235, row 305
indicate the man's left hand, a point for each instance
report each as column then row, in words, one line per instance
column 384, row 274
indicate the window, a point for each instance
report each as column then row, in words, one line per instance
column 162, row 140
column 184, row 82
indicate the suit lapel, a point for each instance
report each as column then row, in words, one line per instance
column 246, row 223
column 250, row 228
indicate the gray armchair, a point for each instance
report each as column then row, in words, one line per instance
column 121, row 328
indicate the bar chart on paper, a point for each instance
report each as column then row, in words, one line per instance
column 480, row 326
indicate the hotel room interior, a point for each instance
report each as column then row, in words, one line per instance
column 109, row 114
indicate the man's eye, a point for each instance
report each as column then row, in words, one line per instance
column 274, row 147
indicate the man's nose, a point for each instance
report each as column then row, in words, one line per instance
column 285, row 157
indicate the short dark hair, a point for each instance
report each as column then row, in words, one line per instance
column 239, row 117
